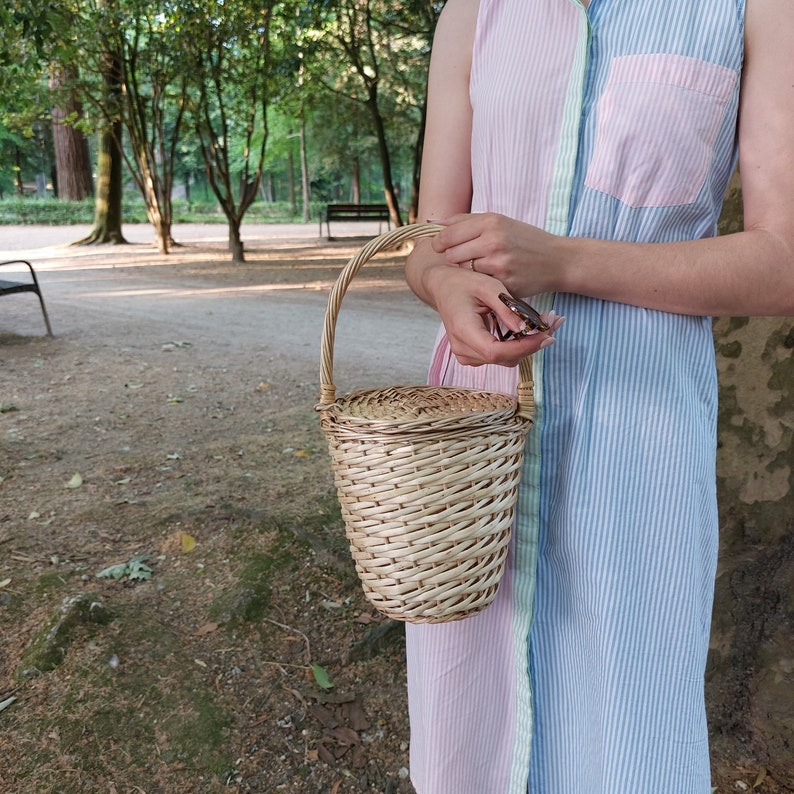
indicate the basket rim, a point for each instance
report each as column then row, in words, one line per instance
column 502, row 410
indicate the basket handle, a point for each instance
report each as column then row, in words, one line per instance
column 526, row 401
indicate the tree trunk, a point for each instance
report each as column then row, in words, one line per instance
column 750, row 677
column 107, row 207
column 385, row 160
column 291, row 182
column 72, row 158
column 18, row 168
column 355, row 182
column 236, row 246
column 413, row 208
column 110, row 161
column 266, row 190
column 305, row 189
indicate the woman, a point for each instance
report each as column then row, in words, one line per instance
column 579, row 155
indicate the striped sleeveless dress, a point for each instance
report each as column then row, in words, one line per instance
column 585, row 676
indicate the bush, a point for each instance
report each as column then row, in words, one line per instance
column 57, row 212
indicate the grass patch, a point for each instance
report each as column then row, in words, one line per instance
column 131, row 698
column 59, row 212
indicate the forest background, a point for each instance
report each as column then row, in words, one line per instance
column 244, row 109
column 118, row 111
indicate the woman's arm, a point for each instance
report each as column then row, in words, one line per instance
column 747, row 273
column 461, row 296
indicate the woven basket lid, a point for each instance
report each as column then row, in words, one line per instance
column 398, row 408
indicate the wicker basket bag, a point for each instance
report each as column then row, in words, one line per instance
column 427, row 478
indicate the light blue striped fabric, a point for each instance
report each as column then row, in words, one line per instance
column 628, row 531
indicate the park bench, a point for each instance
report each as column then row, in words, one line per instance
column 354, row 212
column 8, row 287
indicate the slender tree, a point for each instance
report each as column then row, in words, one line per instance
column 229, row 49
column 144, row 90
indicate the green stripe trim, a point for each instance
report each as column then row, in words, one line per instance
column 565, row 166
column 528, row 505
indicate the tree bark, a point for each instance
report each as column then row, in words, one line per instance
column 750, row 677
column 236, row 246
column 385, row 159
column 72, row 158
column 110, row 161
column 305, row 187
column 355, row 181
column 413, row 209
column 107, row 207
column 293, row 203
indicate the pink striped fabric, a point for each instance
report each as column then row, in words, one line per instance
column 684, row 100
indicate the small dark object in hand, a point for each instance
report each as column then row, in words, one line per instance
column 534, row 322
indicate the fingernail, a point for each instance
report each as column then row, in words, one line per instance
column 547, row 342
column 557, row 323
column 552, row 316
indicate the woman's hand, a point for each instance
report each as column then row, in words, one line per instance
column 525, row 259
column 469, row 304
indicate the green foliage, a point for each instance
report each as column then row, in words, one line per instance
column 321, row 677
column 317, row 70
column 48, row 212
column 135, row 568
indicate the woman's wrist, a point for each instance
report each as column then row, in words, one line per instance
column 421, row 273
column 567, row 265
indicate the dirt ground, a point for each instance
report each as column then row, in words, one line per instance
column 168, row 429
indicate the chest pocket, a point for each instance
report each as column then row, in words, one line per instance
column 657, row 123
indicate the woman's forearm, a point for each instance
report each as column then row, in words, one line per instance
column 747, row 273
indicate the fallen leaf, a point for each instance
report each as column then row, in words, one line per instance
column 200, row 663
column 325, row 754
column 321, row 677
column 346, row 735
column 134, row 569
column 312, row 755
column 75, row 482
column 34, row 514
column 173, row 399
column 123, row 481
column 324, row 716
column 188, row 542
column 761, row 777
column 5, row 583
column 336, row 787
column 7, row 702
column 359, row 759
column 354, row 716
column 7, row 408
column 262, row 386
column 303, row 453
column 207, row 628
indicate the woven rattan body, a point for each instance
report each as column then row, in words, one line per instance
column 427, row 478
